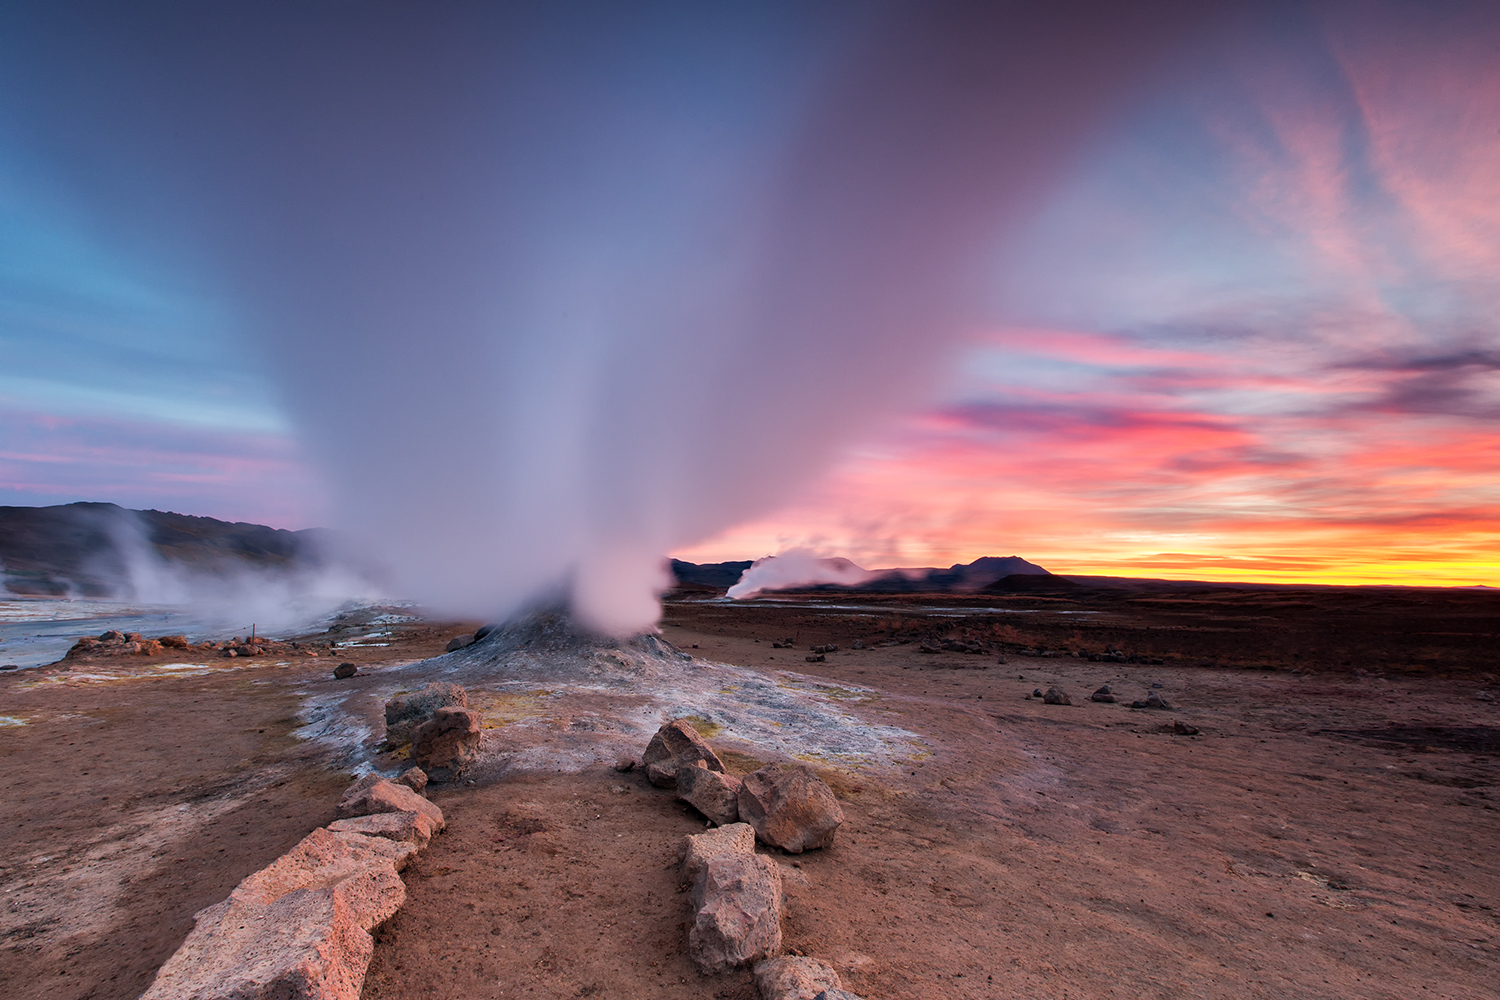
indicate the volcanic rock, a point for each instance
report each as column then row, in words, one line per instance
column 459, row 642
column 1155, row 700
column 297, row 928
column 737, row 898
column 794, row 977
column 407, row 827
column 446, row 743
column 405, row 712
column 373, row 794
column 676, row 744
column 790, row 808
column 714, row 794
column 113, row 635
column 837, row 995
column 700, row 849
column 414, row 778
column 344, row 671
column 174, row 641
column 1103, row 695
column 1183, row 729
column 1056, row 696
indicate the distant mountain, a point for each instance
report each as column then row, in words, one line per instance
column 958, row 578
column 720, row 575
column 94, row 549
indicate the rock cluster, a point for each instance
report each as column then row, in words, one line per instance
column 301, row 926
column 676, row 744
column 117, row 643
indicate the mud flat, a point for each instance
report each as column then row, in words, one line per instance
column 1324, row 834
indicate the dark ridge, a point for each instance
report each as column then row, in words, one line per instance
column 85, row 548
column 1030, row 583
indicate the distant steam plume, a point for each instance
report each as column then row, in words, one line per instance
column 557, row 289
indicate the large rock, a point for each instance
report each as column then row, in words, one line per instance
column 736, row 897
column 408, row 827
column 372, row 795
column 447, row 743
column 1057, row 696
column 675, row 745
column 405, row 712
column 715, row 795
column 790, row 808
column 701, row 848
column 298, row 928
column 794, row 977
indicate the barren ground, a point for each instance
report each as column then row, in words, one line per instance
column 1326, row 834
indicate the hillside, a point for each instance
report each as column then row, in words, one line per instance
column 90, row 549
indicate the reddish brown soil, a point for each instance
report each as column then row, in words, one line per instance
column 132, row 799
column 1320, row 838
column 1324, row 836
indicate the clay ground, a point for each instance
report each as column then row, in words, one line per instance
column 1326, row 835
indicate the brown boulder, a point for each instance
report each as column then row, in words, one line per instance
column 373, row 794
column 414, row 778
column 737, row 898
column 713, row 794
column 1056, row 696
column 459, row 642
column 175, row 642
column 794, row 977
column 297, row 928
column 446, row 743
column 407, row 827
column 790, row 808
column 344, row 671
column 676, row 744
column 408, row 710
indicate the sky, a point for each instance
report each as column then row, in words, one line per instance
column 1246, row 331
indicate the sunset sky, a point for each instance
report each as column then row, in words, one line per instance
column 1249, row 334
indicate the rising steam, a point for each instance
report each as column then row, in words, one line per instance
column 554, row 289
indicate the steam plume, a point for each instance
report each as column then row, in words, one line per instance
column 554, row 290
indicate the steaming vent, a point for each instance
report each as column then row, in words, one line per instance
column 550, row 644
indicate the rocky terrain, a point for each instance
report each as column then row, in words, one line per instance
column 1324, row 830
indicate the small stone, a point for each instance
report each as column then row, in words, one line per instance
column 794, row 977
column 447, row 743
column 344, row 671
column 1056, row 696
column 625, row 765
column 712, row 793
column 1183, row 729
column 414, row 778
column 1155, row 700
column 790, row 808
column 816, row 658
column 1157, row 684
column 837, row 995
column 459, row 642
column 1484, row 696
